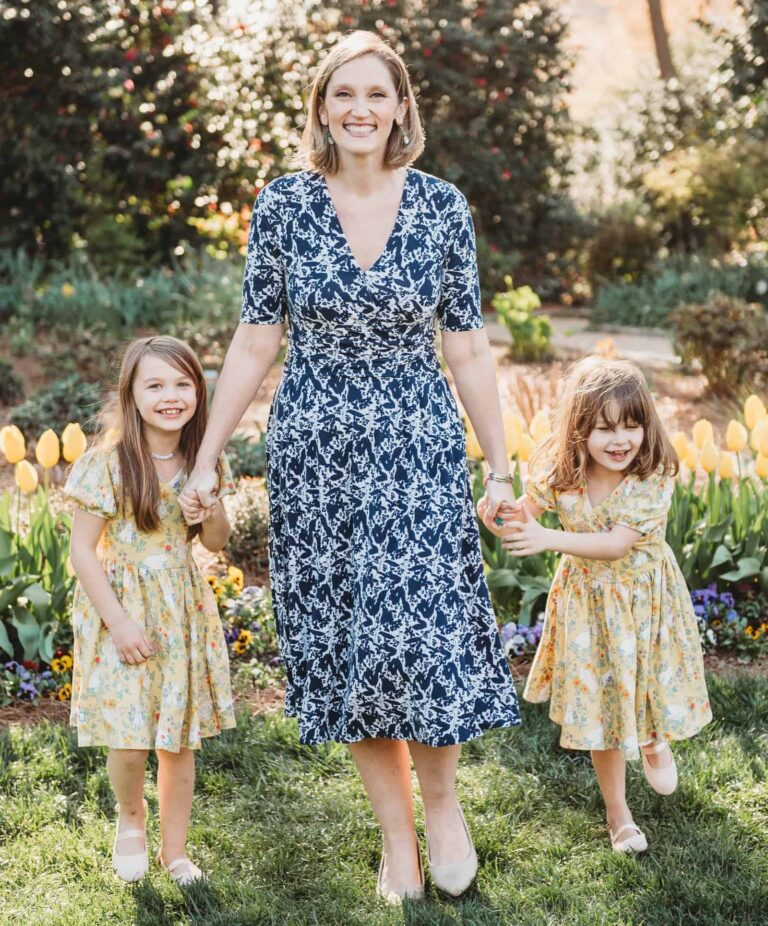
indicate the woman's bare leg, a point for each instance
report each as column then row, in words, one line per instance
column 436, row 769
column 385, row 769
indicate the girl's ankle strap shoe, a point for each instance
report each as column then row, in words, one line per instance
column 662, row 780
column 130, row 867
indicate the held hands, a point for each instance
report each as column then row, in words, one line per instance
column 524, row 536
column 521, row 534
column 131, row 643
column 198, row 498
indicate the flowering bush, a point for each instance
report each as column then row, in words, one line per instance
column 32, row 681
column 728, row 624
column 249, row 626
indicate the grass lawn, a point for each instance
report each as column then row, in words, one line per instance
column 287, row 837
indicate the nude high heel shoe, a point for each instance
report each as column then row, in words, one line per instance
column 455, row 878
column 130, row 867
column 662, row 780
column 394, row 897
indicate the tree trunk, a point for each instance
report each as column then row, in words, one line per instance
column 661, row 40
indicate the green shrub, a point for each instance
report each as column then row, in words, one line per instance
column 727, row 336
column 530, row 333
column 247, row 457
column 11, row 385
column 66, row 400
column 249, row 517
column 669, row 283
column 624, row 245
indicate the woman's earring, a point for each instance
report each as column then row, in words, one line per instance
column 406, row 138
column 330, row 138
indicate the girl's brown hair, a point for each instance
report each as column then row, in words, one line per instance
column 615, row 389
column 315, row 152
column 139, row 483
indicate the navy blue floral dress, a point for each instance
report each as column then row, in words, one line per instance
column 382, row 609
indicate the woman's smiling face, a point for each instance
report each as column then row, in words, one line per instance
column 360, row 106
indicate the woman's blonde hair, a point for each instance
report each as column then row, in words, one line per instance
column 615, row 389
column 139, row 483
column 315, row 152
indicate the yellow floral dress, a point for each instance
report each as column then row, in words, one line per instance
column 620, row 657
column 180, row 694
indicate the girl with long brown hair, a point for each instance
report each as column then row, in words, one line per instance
column 150, row 659
column 620, row 659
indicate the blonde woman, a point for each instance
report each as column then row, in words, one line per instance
column 385, row 623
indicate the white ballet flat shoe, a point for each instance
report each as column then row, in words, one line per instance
column 455, row 878
column 662, row 780
column 182, row 878
column 396, row 898
column 130, row 867
column 634, row 843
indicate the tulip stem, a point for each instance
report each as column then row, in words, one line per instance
column 18, row 519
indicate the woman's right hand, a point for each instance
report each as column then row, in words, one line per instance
column 198, row 494
column 131, row 643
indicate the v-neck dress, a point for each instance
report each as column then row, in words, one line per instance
column 383, row 614
column 620, row 657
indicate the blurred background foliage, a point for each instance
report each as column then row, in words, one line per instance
column 142, row 131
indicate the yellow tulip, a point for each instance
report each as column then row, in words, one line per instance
column 12, row 444
column 539, row 428
column 736, row 436
column 726, row 467
column 709, row 456
column 691, row 457
column 762, row 441
column 474, row 449
column 757, row 434
column 525, row 449
column 754, row 411
column 702, row 431
column 26, row 476
column 74, row 442
column 761, row 466
column 47, row 450
column 680, row 443
column 513, row 430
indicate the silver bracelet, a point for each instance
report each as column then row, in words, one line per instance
column 497, row 477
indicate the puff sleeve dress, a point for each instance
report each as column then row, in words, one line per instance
column 620, row 658
column 382, row 608
column 182, row 692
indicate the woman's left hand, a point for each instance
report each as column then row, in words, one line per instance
column 496, row 493
column 526, row 537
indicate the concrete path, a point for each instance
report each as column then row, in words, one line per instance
column 571, row 335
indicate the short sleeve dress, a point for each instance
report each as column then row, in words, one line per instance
column 182, row 692
column 383, row 614
column 620, row 658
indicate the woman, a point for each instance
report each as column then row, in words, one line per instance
column 385, row 623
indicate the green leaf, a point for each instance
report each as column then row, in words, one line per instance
column 722, row 555
column 5, row 642
column 28, row 630
column 745, row 569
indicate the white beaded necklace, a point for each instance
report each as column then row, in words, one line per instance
column 162, row 456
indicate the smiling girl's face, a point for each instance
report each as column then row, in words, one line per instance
column 360, row 106
column 614, row 441
column 165, row 396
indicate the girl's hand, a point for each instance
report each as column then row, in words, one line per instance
column 130, row 642
column 525, row 537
